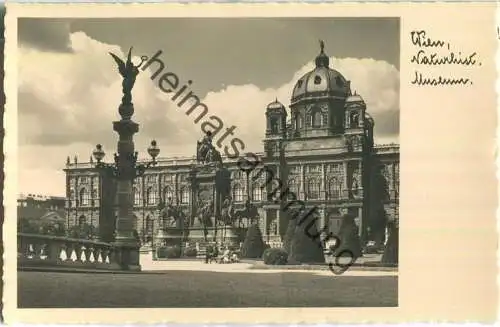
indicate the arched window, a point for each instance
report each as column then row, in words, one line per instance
column 334, row 189
column 137, row 197
column 84, row 197
column 274, row 125
column 274, row 190
column 184, row 195
column 354, row 120
column 313, row 189
column 316, row 118
column 256, row 192
column 151, row 196
column 81, row 220
column 168, row 194
column 238, row 193
column 94, row 197
column 72, row 200
column 354, row 186
column 293, row 186
column 300, row 121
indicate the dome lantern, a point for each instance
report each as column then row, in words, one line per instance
column 322, row 59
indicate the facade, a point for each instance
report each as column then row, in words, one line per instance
column 40, row 207
column 322, row 150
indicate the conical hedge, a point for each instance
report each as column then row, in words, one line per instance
column 253, row 246
column 289, row 234
column 303, row 247
column 349, row 237
column 391, row 252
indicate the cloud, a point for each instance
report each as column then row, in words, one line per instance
column 68, row 103
column 376, row 81
column 44, row 34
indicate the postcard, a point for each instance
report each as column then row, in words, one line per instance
column 250, row 163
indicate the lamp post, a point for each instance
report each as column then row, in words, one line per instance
column 124, row 170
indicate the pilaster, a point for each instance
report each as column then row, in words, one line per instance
column 345, row 187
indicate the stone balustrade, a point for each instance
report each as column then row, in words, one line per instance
column 36, row 251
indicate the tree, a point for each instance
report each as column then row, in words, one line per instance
column 253, row 246
column 84, row 231
column 391, row 252
column 292, row 215
column 349, row 237
column 289, row 234
column 25, row 225
column 305, row 246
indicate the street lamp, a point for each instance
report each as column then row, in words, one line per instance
column 113, row 169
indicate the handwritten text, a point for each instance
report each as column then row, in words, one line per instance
column 433, row 54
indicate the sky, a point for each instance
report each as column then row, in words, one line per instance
column 69, row 87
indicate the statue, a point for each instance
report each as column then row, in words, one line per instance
column 250, row 212
column 227, row 211
column 206, row 152
column 322, row 45
column 205, row 214
column 129, row 73
column 172, row 217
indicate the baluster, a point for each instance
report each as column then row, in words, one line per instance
column 88, row 251
column 100, row 255
column 93, row 254
column 37, row 248
column 25, row 247
column 105, row 255
column 54, row 250
column 78, row 252
column 70, row 251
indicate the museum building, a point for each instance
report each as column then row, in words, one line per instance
column 324, row 142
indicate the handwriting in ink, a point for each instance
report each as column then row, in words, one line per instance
column 419, row 38
column 440, row 80
column 433, row 59
column 432, row 54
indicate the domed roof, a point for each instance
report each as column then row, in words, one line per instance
column 321, row 81
column 275, row 105
column 355, row 98
column 369, row 118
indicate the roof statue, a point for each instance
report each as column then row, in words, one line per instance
column 129, row 73
column 322, row 45
column 206, row 152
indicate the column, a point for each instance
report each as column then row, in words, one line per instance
column 303, row 190
column 346, row 186
column 323, row 182
column 360, row 179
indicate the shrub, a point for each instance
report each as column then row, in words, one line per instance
column 304, row 248
column 349, row 238
column 290, row 231
column 275, row 256
column 173, row 252
column 161, row 252
column 169, row 252
column 190, row 252
column 391, row 252
column 253, row 246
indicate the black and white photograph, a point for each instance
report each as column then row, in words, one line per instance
column 208, row 162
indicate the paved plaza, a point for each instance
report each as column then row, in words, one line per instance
column 195, row 284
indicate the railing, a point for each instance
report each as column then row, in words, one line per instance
column 35, row 251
